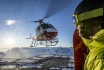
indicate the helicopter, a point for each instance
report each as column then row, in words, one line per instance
column 45, row 32
column 48, row 34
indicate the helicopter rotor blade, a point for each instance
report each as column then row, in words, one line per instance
column 35, row 21
column 39, row 21
column 56, row 6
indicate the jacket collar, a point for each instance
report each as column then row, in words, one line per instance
column 97, row 40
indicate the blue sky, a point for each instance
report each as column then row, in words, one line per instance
column 24, row 11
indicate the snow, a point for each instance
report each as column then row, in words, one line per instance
column 64, row 56
column 26, row 61
column 9, row 59
column 71, row 65
column 67, row 68
column 35, row 58
column 30, row 52
column 46, row 55
column 36, row 54
column 71, row 60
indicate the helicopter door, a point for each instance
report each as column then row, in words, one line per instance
column 37, row 31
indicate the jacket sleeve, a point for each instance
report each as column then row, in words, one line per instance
column 98, row 64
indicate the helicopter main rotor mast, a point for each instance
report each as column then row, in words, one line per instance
column 40, row 21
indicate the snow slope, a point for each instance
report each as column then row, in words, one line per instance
column 30, row 52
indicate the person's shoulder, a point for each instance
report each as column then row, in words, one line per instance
column 100, row 55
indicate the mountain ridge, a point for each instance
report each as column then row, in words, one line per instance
column 29, row 52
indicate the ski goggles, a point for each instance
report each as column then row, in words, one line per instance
column 87, row 15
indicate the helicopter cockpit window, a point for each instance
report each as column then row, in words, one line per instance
column 52, row 26
column 38, row 28
column 44, row 26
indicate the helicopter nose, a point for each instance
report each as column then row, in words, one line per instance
column 53, row 34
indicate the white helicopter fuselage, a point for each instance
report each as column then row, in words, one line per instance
column 51, row 34
column 44, row 33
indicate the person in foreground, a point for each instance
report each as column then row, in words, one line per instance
column 89, row 21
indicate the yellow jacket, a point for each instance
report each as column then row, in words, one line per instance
column 95, row 58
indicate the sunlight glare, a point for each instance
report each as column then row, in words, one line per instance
column 10, row 41
column 10, row 22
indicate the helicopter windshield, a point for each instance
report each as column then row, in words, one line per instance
column 38, row 28
column 52, row 26
column 44, row 26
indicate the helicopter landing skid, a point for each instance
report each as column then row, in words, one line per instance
column 52, row 42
